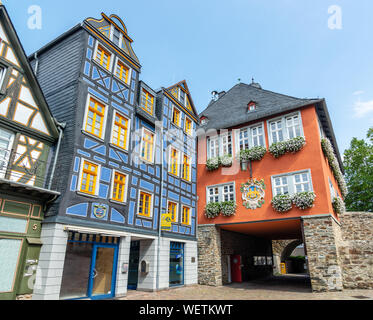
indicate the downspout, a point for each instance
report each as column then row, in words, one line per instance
column 36, row 63
column 160, row 214
column 60, row 127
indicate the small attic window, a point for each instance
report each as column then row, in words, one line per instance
column 204, row 120
column 251, row 106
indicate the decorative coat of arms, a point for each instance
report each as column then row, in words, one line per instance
column 99, row 211
column 253, row 193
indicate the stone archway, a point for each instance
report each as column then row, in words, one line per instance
column 286, row 252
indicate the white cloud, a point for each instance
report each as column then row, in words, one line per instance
column 363, row 108
column 359, row 92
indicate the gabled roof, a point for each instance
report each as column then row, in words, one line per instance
column 183, row 86
column 28, row 72
column 231, row 109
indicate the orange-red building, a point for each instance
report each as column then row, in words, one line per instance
column 245, row 118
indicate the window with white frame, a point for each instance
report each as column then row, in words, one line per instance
column 291, row 183
column 213, row 147
column 285, row 128
column 293, row 126
column 221, row 193
column 219, row 145
column 6, row 143
column 226, row 144
column 333, row 194
column 251, row 137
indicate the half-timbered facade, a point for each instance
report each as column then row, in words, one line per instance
column 114, row 170
column 28, row 137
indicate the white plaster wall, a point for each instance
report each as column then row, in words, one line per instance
column 51, row 262
column 148, row 252
column 123, row 257
column 190, row 268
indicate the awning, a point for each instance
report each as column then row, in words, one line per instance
column 102, row 232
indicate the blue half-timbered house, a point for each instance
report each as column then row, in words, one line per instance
column 127, row 157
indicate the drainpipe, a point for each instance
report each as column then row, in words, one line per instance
column 60, row 127
column 160, row 213
column 36, row 63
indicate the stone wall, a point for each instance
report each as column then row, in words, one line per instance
column 209, row 255
column 356, row 250
column 322, row 237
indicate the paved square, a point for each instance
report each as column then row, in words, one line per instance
column 275, row 288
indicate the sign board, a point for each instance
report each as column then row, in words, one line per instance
column 166, row 222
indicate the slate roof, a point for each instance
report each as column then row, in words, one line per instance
column 231, row 108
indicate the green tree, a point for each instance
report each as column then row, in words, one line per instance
column 358, row 164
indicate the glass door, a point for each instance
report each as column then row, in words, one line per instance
column 176, row 264
column 103, row 272
column 133, row 268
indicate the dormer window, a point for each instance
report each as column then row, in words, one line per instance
column 203, row 120
column 251, row 106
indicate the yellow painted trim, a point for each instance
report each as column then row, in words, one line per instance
column 130, row 60
column 180, row 105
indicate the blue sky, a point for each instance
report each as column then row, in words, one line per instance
column 286, row 45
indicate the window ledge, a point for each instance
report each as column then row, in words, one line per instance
column 118, row 202
column 118, row 148
column 92, row 136
column 87, row 195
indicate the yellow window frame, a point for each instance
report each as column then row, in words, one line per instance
column 120, row 131
column 97, row 117
column 172, row 209
column 145, row 204
column 101, row 54
column 186, row 215
column 89, row 174
column 119, row 186
column 122, row 71
column 176, row 116
column 147, row 101
column 186, row 168
column 174, row 161
column 147, row 145
column 188, row 126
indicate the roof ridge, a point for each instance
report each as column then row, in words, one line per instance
column 281, row 94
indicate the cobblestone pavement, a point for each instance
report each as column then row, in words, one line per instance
column 276, row 288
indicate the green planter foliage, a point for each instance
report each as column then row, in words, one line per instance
column 304, row 200
column 278, row 149
column 226, row 160
column 328, row 151
column 228, row 208
column 338, row 205
column 212, row 210
column 213, row 164
column 282, row 203
column 252, row 154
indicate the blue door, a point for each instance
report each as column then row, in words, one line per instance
column 103, row 271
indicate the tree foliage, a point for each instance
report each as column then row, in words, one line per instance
column 358, row 164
